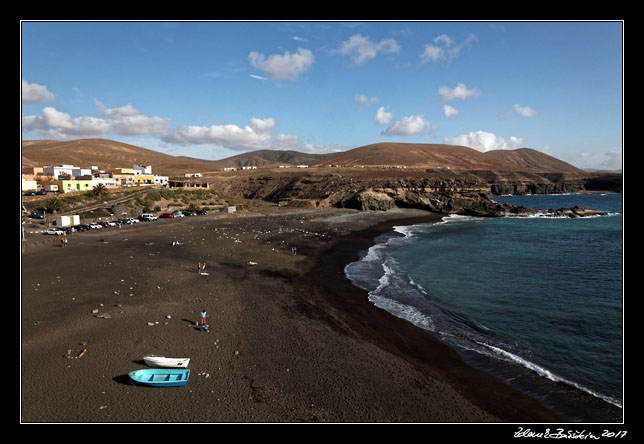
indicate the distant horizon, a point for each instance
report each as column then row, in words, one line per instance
column 213, row 90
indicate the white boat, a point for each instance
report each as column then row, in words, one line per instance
column 161, row 361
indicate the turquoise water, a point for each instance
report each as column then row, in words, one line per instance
column 542, row 293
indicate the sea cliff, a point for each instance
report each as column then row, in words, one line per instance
column 440, row 191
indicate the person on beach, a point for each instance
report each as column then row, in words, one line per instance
column 203, row 268
column 293, row 250
column 199, row 268
column 203, row 317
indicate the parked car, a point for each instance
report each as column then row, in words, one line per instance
column 30, row 193
column 37, row 215
column 201, row 212
column 95, row 225
column 132, row 220
column 81, row 227
column 41, row 193
column 68, row 230
column 166, row 216
column 147, row 217
column 189, row 213
column 177, row 214
column 54, row 231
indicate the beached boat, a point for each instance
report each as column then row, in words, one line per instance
column 161, row 361
column 156, row 377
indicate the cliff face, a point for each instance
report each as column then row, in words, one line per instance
column 447, row 192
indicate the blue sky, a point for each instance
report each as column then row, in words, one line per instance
column 216, row 89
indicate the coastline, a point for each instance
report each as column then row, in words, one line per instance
column 569, row 403
column 291, row 340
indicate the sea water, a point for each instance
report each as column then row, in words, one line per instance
column 543, row 294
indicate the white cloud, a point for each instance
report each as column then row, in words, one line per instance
column 282, row 67
column 459, row 92
column 450, row 111
column 366, row 101
column 59, row 125
column 444, row 48
column 35, row 93
column 409, row 126
column 254, row 136
column 128, row 121
column 383, row 117
column 361, row 49
column 484, row 141
column 524, row 111
column 613, row 159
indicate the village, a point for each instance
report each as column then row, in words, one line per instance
column 70, row 180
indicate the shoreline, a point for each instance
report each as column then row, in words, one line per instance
column 409, row 342
column 291, row 340
column 569, row 403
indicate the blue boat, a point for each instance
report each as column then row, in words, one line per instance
column 161, row 377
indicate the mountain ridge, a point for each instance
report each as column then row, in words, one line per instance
column 111, row 154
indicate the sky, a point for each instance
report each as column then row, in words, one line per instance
column 211, row 89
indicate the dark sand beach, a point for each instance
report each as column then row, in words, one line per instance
column 290, row 339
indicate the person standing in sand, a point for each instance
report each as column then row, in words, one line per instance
column 203, row 317
column 199, row 268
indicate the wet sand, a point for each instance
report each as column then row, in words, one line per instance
column 290, row 339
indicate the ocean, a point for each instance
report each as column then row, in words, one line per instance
column 514, row 296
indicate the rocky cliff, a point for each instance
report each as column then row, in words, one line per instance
column 447, row 192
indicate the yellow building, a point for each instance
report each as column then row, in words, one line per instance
column 121, row 170
column 77, row 185
column 141, row 179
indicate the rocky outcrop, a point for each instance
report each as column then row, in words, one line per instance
column 466, row 193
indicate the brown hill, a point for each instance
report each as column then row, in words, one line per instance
column 454, row 157
column 108, row 154
column 271, row 159
column 111, row 154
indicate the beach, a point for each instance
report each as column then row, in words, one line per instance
column 290, row 339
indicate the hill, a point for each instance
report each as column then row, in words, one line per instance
column 111, row 154
column 271, row 159
column 107, row 154
column 447, row 156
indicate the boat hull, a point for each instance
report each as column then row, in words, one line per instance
column 160, row 361
column 160, row 377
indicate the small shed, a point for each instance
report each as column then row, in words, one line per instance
column 67, row 221
column 229, row 209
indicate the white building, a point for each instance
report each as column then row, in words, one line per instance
column 66, row 221
column 161, row 180
column 108, row 182
column 145, row 170
column 69, row 170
